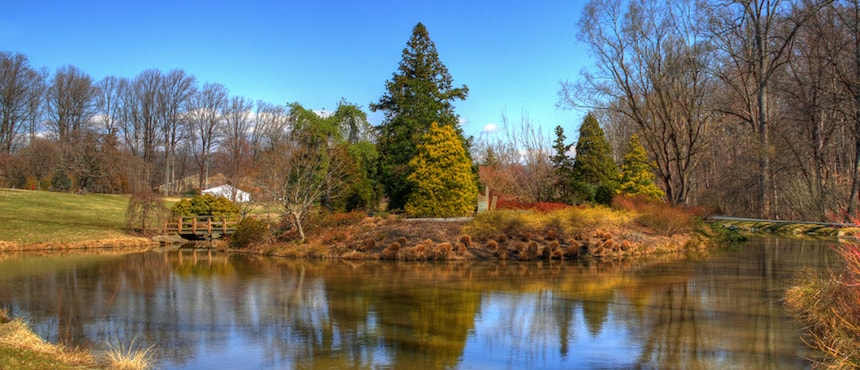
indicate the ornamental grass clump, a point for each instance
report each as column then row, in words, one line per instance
column 129, row 357
column 829, row 306
column 660, row 216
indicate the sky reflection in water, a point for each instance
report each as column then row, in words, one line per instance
column 206, row 310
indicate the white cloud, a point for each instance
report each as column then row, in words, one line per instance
column 490, row 128
column 462, row 121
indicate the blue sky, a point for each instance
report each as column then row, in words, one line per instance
column 511, row 54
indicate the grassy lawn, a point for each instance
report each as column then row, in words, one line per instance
column 18, row 358
column 28, row 217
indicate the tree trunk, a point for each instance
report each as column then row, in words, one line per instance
column 764, row 154
column 855, row 173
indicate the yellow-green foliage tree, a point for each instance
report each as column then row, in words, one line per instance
column 636, row 176
column 442, row 178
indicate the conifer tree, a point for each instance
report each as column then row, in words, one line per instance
column 562, row 166
column 419, row 93
column 636, row 176
column 442, row 178
column 595, row 174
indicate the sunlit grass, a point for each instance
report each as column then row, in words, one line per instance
column 21, row 348
column 566, row 222
column 129, row 357
column 29, row 217
column 830, row 308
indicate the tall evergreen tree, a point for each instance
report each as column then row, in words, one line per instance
column 636, row 176
column 419, row 93
column 562, row 166
column 442, row 177
column 594, row 172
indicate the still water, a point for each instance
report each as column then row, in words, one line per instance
column 202, row 310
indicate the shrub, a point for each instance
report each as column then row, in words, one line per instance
column 221, row 206
column 250, row 232
column 662, row 217
column 145, row 212
column 443, row 183
column 182, row 208
column 205, row 205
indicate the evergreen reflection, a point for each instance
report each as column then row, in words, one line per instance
column 205, row 309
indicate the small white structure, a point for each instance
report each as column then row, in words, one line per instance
column 229, row 192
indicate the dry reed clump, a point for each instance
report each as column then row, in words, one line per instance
column 415, row 253
column 502, row 254
column 442, row 251
column 390, row 252
column 129, row 357
column 662, row 217
column 367, row 244
column 830, row 308
column 529, row 251
column 353, row 256
column 546, row 253
column 460, row 249
column 16, row 334
column 492, row 245
column 466, row 240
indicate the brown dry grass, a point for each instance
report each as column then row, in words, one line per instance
column 830, row 308
column 16, row 334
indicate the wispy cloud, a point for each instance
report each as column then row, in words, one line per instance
column 490, row 128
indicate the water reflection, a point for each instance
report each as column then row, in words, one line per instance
column 202, row 310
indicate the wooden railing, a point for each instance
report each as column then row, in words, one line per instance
column 211, row 227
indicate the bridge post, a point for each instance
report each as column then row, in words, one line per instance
column 179, row 226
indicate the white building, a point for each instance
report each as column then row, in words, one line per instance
column 229, row 192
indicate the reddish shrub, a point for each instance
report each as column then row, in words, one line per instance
column 658, row 215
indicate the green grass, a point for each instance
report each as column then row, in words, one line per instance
column 18, row 358
column 30, row 217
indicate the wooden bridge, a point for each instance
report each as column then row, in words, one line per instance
column 202, row 227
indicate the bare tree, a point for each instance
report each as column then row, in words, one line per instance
column 71, row 103
column 819, row 105
column 234, row 141
column 517, row 160
column 108, row 102
column 21, row 89
column 754, row 37
column 852, row 82
column 271, row 125
column 206, row 116
column 140, row 126
column 296, row 176
column 651, row 68
column 176, row 90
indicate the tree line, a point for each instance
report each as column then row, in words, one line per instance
column 747, row 107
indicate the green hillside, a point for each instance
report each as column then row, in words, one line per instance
column 29, row 217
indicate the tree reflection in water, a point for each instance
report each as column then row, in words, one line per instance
column 202, row 309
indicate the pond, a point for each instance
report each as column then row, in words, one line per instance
column 208, row 310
